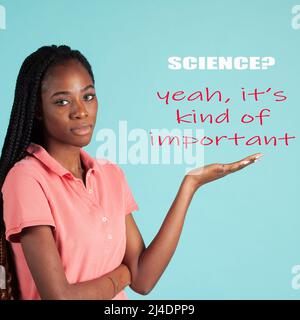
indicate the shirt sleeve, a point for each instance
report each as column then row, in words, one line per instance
column 24, row 203
column 129, row 201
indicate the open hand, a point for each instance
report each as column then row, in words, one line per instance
column 199, row 176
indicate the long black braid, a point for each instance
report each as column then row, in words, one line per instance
column 23, row 129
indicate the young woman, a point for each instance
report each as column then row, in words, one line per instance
column 66, row 217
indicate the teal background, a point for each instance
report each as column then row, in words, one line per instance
column 241, row 234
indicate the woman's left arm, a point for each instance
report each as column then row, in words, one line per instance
column 147, row 264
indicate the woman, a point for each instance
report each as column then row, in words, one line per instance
column 66, row 216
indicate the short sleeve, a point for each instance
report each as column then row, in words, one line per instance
column 24, row 203
column 129, row 201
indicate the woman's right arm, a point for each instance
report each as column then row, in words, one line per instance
column 44, row 263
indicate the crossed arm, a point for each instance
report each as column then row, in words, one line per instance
column 141, row 267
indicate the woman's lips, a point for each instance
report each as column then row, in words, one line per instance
column 82, row 131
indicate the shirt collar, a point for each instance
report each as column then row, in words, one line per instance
column 42, row 154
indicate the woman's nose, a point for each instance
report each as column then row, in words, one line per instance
column 79, row 109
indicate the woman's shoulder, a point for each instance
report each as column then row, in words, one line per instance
column 23, row 169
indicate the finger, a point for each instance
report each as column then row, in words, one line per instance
column 238, row 165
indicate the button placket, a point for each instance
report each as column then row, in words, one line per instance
column 108, row 234
column 88, row 188
column 88, row 191
column 107, row 242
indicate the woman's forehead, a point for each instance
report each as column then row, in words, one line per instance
column 71, row 75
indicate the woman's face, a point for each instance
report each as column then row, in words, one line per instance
column 68, row 101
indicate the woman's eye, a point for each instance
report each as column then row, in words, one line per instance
column 89, row 97
column 61, row 102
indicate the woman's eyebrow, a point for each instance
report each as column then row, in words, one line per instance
column 68, row 92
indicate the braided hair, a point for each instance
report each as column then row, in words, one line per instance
column 23, row 129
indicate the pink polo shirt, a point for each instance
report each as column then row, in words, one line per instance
column 88, row 221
